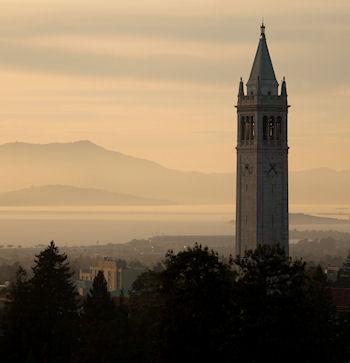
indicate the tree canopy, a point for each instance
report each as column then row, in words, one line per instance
column 44, row 311
column 256, row 309
column 195, row 306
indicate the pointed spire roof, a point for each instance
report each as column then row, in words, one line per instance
column 241, row 88
column 262, row 67
column 284, row 88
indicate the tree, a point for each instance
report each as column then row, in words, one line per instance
column 283, row 309
column 197, row 309
column 187, row 308
column 146, row 306
column 54, row 306
column 44, row 311
column 16, row 321
column 99, row 305
column 260, row 307
column 104, row 326
column 343, row 279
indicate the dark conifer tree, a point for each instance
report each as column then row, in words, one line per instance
column 99, row 305
column 43, row 319
column 54, row 304
column 104, row 326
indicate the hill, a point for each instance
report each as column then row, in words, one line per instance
column 86, row 165
column 306, row 219
column 63, row 195
column 298, row 219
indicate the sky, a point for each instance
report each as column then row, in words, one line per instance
column 158, row 79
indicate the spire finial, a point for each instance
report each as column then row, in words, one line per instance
column 262, row 27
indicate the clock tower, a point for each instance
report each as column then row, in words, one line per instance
column 262, row 157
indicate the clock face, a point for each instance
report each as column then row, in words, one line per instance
column 247, row 169
column 272, row 169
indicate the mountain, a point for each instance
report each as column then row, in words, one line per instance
column 86, row 165
column 297, row 219
column 306, row 219
column 63, row 195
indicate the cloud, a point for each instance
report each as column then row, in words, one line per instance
column 159, row 78
column 203, row 41
column 83, row 63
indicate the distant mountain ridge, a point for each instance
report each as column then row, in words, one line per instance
column 306, row 219
column 298, row 219
column 64, row 195
column 84, row 164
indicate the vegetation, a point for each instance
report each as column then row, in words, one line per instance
column 195, row 306
column 43, row 315
column 104, row 326
column 344, row 273
column 184, row 307
column 285, row 310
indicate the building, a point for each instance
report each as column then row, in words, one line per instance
column 262, row 157
column 83, row 286
column 118, row 279
column 109, row 269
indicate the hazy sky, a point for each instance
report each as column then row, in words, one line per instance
column 158, row 78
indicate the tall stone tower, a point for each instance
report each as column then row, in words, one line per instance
column 262, row 157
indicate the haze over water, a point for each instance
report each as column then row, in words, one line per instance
column 27, row 226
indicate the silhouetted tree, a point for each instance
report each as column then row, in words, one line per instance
column 146, row 306
column 187, row 308
column 54, row 306
column 99, row 305
column 343, row 278
column 262, row 306
column 44, row 311
column 16, row 322
column 104, row 326
column 197, row 309
column 284, row 311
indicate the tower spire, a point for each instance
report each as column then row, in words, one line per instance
column 262, row 68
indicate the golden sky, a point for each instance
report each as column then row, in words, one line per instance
column 158, row 79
